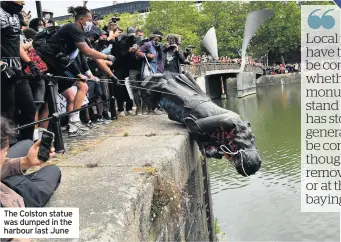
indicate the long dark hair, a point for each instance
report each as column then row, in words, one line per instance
column 7, row 132
column 35, row 22
column 78, row 12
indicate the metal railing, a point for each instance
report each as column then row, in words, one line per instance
column 55, row 116
column 201, row 68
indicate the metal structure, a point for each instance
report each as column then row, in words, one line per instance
column 208, row 199
column 246, row 80
column 39, row 9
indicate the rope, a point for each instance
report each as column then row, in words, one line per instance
column 100, row 80
column 229, row 152
column 107, row 81
column 155, row 90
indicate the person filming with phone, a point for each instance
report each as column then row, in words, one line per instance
column 16, row 188
column 174, row 56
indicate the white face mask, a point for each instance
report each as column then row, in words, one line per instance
column 87, row 26
column 40, row 30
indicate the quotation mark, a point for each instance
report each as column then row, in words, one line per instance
column 326, row 21
column 338, row 3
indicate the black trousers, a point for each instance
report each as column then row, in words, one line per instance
column 36, row 188
column 18, row 95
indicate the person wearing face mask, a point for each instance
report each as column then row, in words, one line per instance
column 37, row 24
column 135, row 65
column 152, row 51
column 67, row 42
column 15, row 93
column 153, row 61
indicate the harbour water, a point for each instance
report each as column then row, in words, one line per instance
column 266, row 206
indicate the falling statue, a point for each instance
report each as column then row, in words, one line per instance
column 218, row 132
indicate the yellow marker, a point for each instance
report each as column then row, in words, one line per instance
column 144, row 169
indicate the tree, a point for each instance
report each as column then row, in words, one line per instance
column 178, row 17
column 281, row 33
column 70, row 19
column 228, row 18
column 126, row 20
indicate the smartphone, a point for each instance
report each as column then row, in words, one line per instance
column 46, row 143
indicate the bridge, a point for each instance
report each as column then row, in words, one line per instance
column 212, row 77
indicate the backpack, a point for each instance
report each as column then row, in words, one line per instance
column 42, row 37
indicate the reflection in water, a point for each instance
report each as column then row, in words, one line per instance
column 266, row 206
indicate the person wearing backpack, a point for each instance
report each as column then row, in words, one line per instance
column 61, row 50
column 15, row 89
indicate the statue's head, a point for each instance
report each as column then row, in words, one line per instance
column 228, row 135
column 241, row 148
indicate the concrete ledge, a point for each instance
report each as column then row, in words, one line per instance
column 281, row 79
column 115, row 201
column 269, row 80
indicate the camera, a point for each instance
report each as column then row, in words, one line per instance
column 115, row 19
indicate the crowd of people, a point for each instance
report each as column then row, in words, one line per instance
column 83, row 62
column 282, row 69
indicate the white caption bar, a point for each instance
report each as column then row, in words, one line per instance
column 39, row 223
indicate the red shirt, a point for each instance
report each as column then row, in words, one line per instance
column 35, row 58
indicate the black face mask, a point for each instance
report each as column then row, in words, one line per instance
column 11, row 7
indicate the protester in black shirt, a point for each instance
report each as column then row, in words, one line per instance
column 120, row 50
column 14, row 92
column 135, row 65
column 61, row 50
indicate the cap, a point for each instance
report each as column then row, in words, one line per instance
column 131, row 31
column 97, row 17
column 157, row 33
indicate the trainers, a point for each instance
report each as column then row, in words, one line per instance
column 80, row 126
column 104, row 121
column 65, row 128
column 122, row 114
column 130, row 112
column 155, row 112
column 91, row 125
column 106, row 115
column 74, row 131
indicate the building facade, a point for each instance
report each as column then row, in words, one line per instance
column 129, row 7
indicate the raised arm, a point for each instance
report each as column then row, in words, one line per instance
column 92, row 53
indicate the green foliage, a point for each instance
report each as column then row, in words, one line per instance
column 280, row 34
column 216, row 226
column 71, row 19
column 228, row 18
column 126, row 20
column 175, row 18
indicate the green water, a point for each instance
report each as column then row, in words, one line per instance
column 266, row 206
